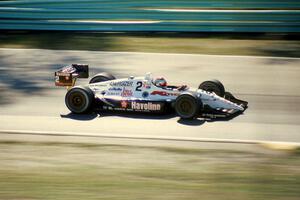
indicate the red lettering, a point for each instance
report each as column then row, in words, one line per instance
column 163, row 93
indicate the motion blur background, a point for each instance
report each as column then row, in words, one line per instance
column 252, row 46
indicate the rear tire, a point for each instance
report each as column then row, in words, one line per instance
column 213, row 86
column 104, row 76
column 79, row 99
column 187, row 106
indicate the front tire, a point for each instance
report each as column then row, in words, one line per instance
column 213, row 86
column 79, row 99
column 187, row 106
column 104, row 76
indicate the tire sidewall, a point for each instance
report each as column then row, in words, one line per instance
column 101, row 77
column 195, row 105
column 213, row 86
column 87, row 96
column 98, row 79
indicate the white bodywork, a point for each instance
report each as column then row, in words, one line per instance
column 142, row 88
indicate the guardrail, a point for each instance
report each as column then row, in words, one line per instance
column 152, row 15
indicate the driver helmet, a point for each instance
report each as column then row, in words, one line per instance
column 160, row 82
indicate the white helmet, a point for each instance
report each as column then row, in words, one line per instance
column 160, row 82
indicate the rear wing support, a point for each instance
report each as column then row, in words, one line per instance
column 67, row 75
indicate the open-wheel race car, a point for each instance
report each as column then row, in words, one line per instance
column 145, row 94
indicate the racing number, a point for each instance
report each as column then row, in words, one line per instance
column 138, row 86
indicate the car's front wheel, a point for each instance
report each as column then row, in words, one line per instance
column 79, row 99
column 187, row 106
column 213, row 86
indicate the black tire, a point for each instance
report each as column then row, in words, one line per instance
column 104, row 76
column 79, row 99
column 187, row 106
column 228, row 96
column 213, row 86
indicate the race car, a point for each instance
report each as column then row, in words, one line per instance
column 145, row 94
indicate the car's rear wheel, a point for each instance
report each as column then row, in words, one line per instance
column 213, row 86
column 187, row 106
column 79, row 99
column 104, row 76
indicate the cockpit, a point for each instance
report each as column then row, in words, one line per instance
column 161, row 82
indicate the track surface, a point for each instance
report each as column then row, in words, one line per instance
column 29, row 100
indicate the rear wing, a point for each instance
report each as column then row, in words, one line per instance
column 67, row 75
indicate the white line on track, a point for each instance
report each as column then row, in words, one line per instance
column 145, row 137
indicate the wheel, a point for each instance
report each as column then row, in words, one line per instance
column 79, row 99
column 187, row 106
column 104, row 76
column 213, row 86
column 228, row 96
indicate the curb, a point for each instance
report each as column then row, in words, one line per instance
column 281, row 146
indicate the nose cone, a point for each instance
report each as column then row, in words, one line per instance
column 217, row 102
column 238, row 107
column 224, row 103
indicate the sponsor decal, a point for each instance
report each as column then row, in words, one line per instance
column 126, row 93
column 145, row 94
column 164, row 93
column 129, row 105
column 115, row 89
column 124, row 104
column 145, row 106
column 68, row 69
column 122, row 83
column 62, row 74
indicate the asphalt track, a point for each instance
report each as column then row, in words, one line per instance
column 30, row 102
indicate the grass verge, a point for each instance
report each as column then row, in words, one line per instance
column 93, row 171
column 220, row 44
